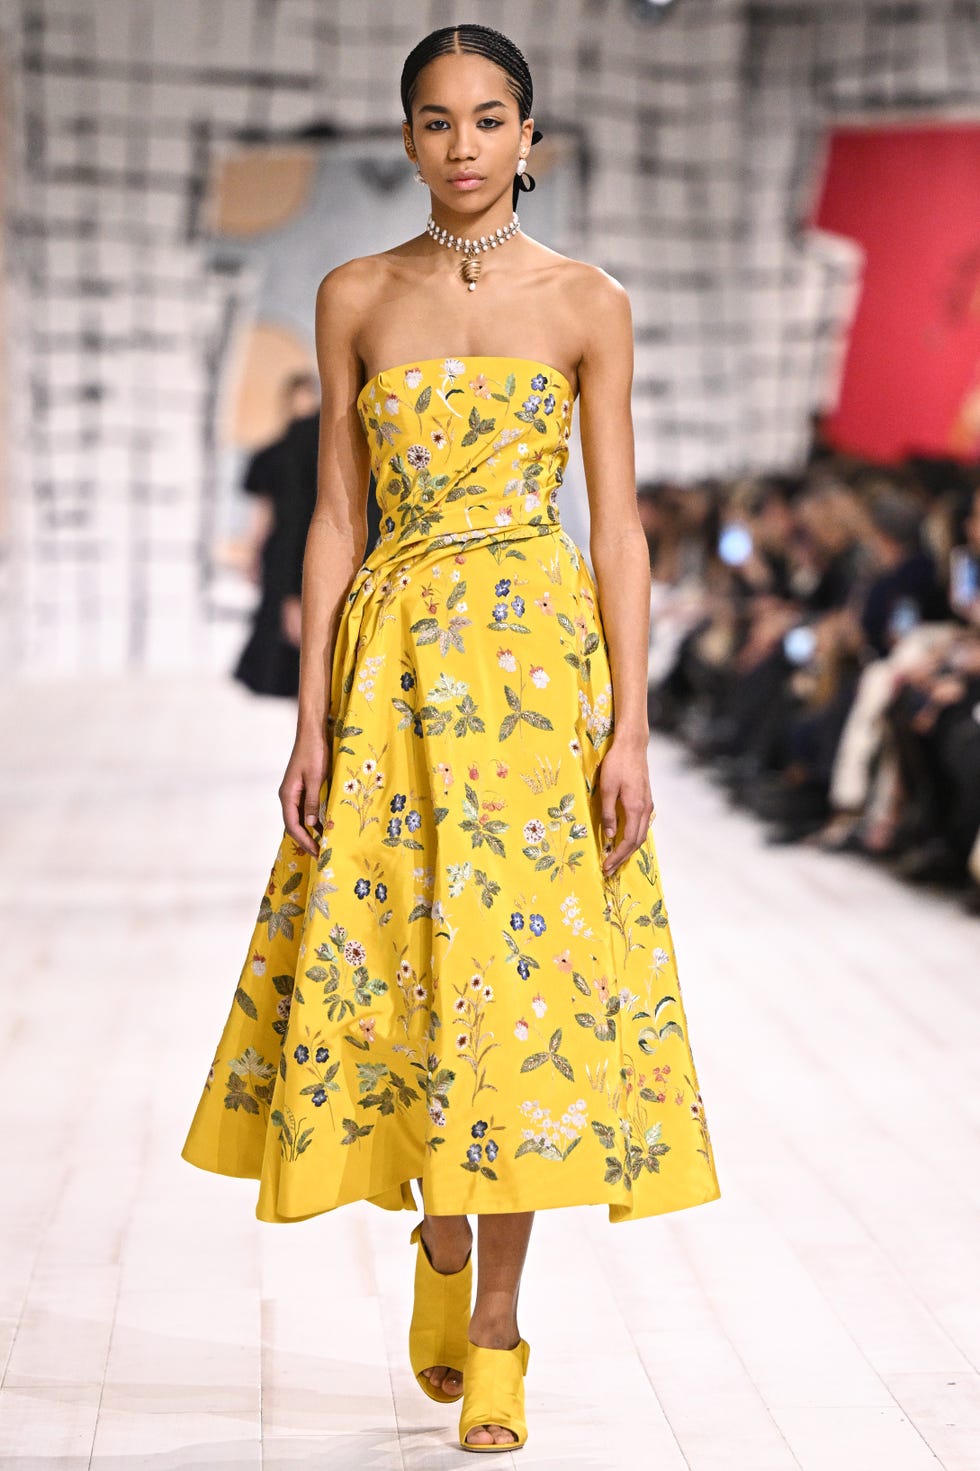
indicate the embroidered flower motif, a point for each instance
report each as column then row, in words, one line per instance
column 418, row 456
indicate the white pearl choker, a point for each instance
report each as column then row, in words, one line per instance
column 472, row 249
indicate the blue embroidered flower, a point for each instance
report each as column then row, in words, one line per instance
column 417, row 726
column 319, row 1096
column 549, row 404
column 517, row 604
column 381, row 892
column 398, row 802
column 539, row 381
column 537, row 924
column 492, row 1150
column 302, row 1053
column 389, row 524
column 362, row 888
column 474, row 1153
column 500, row 612
column 323, row 1054
column 479, row 1129
column 531, row 403
column 407, row 680
column 394, row 827
column 517, row 920
column 523, row 969
column 413, row 821
column 502, row 588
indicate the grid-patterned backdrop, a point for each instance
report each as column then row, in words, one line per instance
column 703, row 133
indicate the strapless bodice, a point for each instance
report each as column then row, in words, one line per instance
column 465, row 448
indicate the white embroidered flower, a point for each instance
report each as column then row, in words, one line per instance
column 459, row 1005
column 660, row 959
column 368, row 766
column 488, row 993
column 539, row 1005
column 532, row 501
column 521, row 1030
column 506, row 660
column 392, row 403
column 453, row 367
column 439, row 438
column 513, row 486
column 258, row 964
column 354, row 952
column 533, row 831
column 413, row 377
column 504, row 517
column 539, row 676
column 350, row 785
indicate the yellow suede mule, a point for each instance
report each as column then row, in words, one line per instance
column 493, row 1393
column 439, row 1332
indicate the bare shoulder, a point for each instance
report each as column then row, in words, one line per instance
column 598, row 295
column 348, row 287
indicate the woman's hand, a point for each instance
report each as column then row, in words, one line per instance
column 625, row 779
column 299, row 791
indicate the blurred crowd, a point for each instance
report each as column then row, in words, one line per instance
column 815, row 641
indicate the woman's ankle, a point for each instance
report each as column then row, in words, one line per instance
column 494, row 1331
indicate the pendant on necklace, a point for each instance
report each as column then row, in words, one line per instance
column 470, row 271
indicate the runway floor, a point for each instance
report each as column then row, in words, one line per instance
column 823, row 1313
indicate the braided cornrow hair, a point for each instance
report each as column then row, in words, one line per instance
column 482, row 41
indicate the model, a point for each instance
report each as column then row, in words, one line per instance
column 462, row 970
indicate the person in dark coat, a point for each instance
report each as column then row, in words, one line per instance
column 287, row 470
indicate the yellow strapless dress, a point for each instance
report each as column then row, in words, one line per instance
column 453, row 989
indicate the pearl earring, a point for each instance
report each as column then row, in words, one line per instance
column 521, row 164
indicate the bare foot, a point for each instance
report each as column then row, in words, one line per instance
column 492, row 1335
column 447, row 1245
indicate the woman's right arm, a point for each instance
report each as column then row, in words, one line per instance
column 335, row 543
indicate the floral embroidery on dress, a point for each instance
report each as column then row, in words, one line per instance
column 453, row 988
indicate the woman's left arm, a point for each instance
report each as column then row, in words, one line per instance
column 620, row 556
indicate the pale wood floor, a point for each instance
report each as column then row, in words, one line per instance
column 824, row 1313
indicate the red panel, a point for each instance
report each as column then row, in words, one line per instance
column 911, row 197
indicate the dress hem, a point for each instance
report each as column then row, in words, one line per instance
column 618, row 1209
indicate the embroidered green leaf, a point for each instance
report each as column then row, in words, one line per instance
column 247, row 1004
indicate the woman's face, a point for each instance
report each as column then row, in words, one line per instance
column 455, row 132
